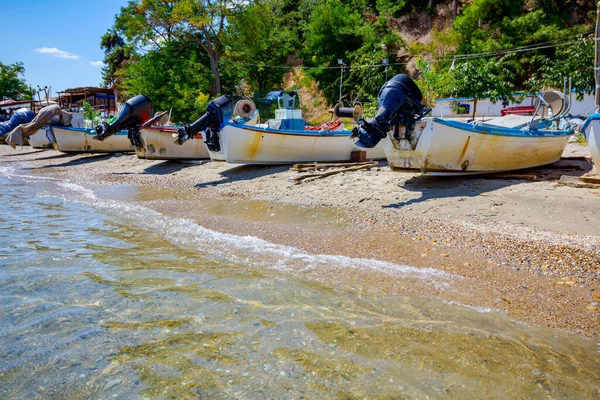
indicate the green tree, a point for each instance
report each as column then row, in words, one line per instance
column 435, row 81
column 12, row 85
column 172, row 76
column 333, row 31
column 204, row 22
column 378, row 42
column 258, row 35
column 482, row 79
column 115, row 54
column 149, row 25
column 575, row 61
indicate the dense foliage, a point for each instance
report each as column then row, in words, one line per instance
column 184, row 52
column 12, row 84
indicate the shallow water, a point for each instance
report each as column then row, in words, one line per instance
column 102, row 297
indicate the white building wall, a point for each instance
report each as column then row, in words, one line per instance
column 485, row 108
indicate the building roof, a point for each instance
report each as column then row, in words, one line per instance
column 87, row 89
column 14, row 102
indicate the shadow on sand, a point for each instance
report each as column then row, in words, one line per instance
column 438, row 187
column 166, row 167
column 56, row 156
column 23, row 153
column 77, row 161
column 244, row 173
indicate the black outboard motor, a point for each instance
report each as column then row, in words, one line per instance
column 137, row 110
column 218, row 111
column 399, row 103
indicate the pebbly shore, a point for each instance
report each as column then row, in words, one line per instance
column 526, row 244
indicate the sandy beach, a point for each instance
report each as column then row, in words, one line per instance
column 526, row 244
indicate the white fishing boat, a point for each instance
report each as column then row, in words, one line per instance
column 260, row 145
column 283, row 140
column 591, row 126
column 248, row 116
column 442, row 146
column 39, row 140
column 81, row 140
column 157, row 143
column 591, row 131
column 437, row 145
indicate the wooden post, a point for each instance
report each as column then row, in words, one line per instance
column 597, row 64
column 358, row 156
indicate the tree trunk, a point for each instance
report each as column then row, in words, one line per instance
column 455, row 8
column 474, row 108
column 430, row 12
column 214, row 68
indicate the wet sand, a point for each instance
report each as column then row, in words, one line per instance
column 529, row 248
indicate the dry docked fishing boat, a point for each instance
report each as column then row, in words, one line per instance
column 148, row 136
column 81, row 140
column 39, row 140
column 78, row 139
column 591, row 126
column 435, row 145
column 283, row 140
column 156, row 143
column 125, row 128
column 591, row 130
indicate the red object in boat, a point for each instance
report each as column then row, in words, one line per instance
column 332, row 125
column 527, row 110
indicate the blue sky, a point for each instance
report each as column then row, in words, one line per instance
column 57, row 40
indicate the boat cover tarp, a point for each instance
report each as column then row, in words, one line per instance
column 21, row 116
column 45, row 116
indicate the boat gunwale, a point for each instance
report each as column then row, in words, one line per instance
column 588, row 120
column 344, row 133
column 507, row 132
column 87, row 131
column 170, row 129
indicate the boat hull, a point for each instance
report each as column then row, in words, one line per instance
column 39, row 140
column 253, row 145
column 217, row 155
column 159, row 144
column 591, row 130
column 80, row 140
column 454, row 147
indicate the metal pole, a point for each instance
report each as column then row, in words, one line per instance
column 342, row 79
column 597, row 65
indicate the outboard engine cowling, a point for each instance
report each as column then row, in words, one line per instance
column 399, row 103
column 137, row 110
column 21, row 116
column 218, row 111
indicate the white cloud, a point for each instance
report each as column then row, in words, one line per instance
column 97, row 63
column 53, row 51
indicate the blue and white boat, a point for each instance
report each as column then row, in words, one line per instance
column 591, row 131
column 283, row 140
column 443, row 146
column 68, row 139
column 503, row 144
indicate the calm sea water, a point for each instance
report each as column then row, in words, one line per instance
column 104, row 298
